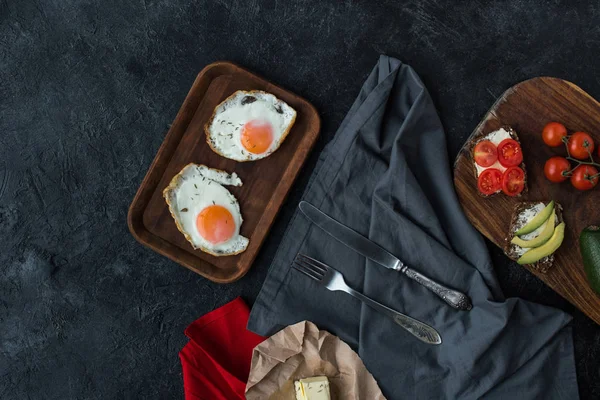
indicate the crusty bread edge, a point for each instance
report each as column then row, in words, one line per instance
column 247, row 93
column 545, row 263
column 476, row 139
column 167, row 195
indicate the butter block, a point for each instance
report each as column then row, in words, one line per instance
column 315, row 388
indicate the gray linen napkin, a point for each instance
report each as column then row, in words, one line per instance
column 386, row 174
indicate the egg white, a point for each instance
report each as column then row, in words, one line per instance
column 192, row 190
column 223, row 132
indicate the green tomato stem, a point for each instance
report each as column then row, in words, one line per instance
column 579, row 162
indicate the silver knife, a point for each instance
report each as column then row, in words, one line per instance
column 373, row 251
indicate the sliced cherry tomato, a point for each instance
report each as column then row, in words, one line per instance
column 580, row 145
column 553, row 134
column 510, row 153
column 555, row 169
column 585, row 177
column 485, row 153
column 490, row 181
column 513, row 181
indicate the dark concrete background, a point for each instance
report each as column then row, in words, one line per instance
column 87, row 92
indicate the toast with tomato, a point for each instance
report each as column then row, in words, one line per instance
column 498, row 163
column 523, row 213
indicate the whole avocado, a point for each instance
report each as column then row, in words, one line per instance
column 589, row 244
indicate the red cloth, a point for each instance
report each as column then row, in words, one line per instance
column 216, row 360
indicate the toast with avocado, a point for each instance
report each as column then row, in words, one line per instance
column 536, row 232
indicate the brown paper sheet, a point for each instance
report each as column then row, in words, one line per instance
column 301, row 351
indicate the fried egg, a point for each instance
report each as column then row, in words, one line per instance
column 205, row 212
column 249, row 126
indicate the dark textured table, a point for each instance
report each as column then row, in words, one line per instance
column 87, row 92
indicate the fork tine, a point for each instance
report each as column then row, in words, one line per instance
column 314, row 263
column 301, row 270
column 308, row 266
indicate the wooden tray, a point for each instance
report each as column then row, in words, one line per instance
column 527, row 107
column 265, row 182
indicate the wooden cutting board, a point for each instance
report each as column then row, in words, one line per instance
column 527, row 107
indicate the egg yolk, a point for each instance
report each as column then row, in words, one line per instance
column 257, row 136
column 215, row 224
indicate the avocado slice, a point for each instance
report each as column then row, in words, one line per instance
column 542, row 238
column 537, row 221
column 546, row 249
column 589, row 244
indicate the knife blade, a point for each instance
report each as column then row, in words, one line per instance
column 373, row 251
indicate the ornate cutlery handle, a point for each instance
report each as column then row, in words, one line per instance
column 456, row 299
column 420, row 330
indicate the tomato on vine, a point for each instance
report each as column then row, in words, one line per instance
column 580, row 145
column 557, row 169
column 580, row 149
column 553, row 134
column 585, row 177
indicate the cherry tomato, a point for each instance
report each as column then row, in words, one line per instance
column 490, row 181
column 513, row 181
column 485, row 153
column 555, row 168
column 553, row 134
column 510, row 153
column 579, row 143
column 585, row 177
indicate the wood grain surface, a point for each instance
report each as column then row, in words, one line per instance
column 527, row 107
column 266, row 182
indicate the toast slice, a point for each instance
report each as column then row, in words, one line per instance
column 510, row 133
column 518, row 220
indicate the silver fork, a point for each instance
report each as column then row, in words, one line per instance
column 334, row 281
